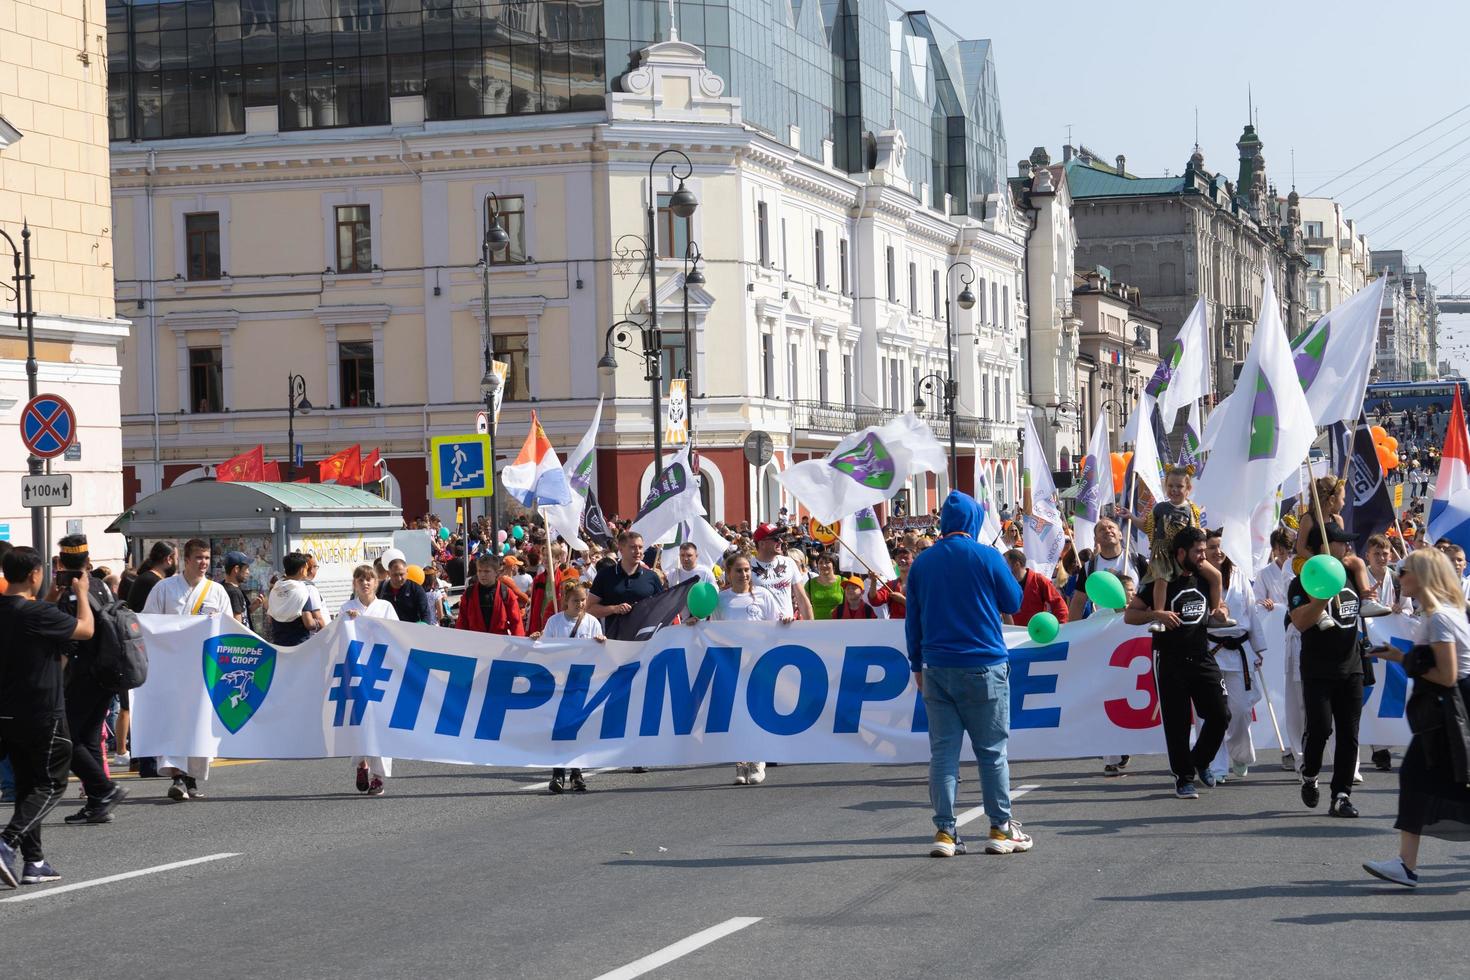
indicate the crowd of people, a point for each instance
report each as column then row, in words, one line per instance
column 1205, row 619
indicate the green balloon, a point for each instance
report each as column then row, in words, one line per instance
column 518, row 532
column 704, row 599
column 1043, row 627
column 1323, row 576
column 1106, row 590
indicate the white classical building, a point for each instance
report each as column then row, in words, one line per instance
column 351, row 256
column 1338, row 256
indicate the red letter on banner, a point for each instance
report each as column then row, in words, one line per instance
column 1119, row 711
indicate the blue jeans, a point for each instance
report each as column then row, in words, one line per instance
column 7, row 776
column 976, row 700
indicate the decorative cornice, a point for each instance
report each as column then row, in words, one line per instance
column 373, row 315
column 223, row 320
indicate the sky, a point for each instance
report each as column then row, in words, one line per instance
column 1334, row 83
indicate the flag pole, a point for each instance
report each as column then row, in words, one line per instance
column 840, row 544
column 1271, row 709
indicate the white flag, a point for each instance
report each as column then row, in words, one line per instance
column 710, row 543
column 866, row 468
column 564, row 519
column 862, row 535
column 990, row 529
column 674, row 497
column 1036, row 470
column 1334, row 357
column 1184, row 374
column 1139, row 433
column 1096, row 479
column 1262, row 432
column 1043, row 544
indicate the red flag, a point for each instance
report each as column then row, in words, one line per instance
column 272, row 472
column 344, row 468
column 248, row 467
column 370, row 465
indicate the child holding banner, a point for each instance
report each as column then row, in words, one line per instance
column 372, row 770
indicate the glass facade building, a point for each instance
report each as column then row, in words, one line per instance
column 839, row 70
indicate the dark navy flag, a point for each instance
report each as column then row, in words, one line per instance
column 1369, row 509
column 594, row 529
column 650, row 615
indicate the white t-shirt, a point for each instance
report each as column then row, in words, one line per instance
column 1446, row 625
column 760, row 605
column 679, row 576
column 176, row 597
column 778, row 575
column 523, row 581
column 561, row 627
column 316, row 596
column 377, row 609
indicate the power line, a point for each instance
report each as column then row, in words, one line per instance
column 1393, row 180
column 1420, row 186
column 1439, row 232
column 1388, row 150
column 1386, row 166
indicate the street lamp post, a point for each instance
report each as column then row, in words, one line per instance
column 295, row 402
column 497, row 239
column 25, row 319
column 950, row 385
column 683, row 204
column 693, row 276
column 619, row 336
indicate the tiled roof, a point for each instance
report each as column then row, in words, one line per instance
column 1088, row 181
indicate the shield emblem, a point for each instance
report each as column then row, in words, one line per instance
column 237, row 673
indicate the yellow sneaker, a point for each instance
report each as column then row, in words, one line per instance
column 946, row 845
column 1008, row 840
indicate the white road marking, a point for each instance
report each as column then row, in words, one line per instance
column 76, row 886
column 975, row 812
column 683, row 947
column 534, row 787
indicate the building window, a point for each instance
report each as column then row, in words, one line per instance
column 935, row 278
column 819, row 261
column 206, row 379
column 1312, row 229
column 673, row 354
column 768, row 367
column 514, row 349
column 892, row 275
column 673, row 231
column 354, row 238
column 763, row 233
column 793, row 374
column 1008, row 401
column 980, row 306
column 913, row 288
column 1000, row 411
column 984, row 397
column 355, row 374
column 822, row 375
column 1005, row 307
column 842, row 265
column 512, row 212
column 785, row 255
column 895, row 385
column 201, row 237
column 995, row 304
column 849, row 381
column 1314, row 261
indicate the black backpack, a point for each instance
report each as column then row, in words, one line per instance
column 119, row 659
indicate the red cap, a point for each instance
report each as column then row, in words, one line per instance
column 767, row 531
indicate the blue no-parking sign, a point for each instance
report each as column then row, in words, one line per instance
column 48, row 425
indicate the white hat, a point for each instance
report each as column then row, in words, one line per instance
column 391, row 555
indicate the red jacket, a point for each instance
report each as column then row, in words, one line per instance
column 506, row 618
column 541, row 605
column 897, row 602
column 881, row 597
column 1039, row 595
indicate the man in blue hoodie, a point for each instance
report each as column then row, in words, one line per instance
column 957, row 591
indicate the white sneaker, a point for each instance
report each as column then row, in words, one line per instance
column 1008, row 839
column 177, row 791
column 756, row 773
column 742, row 774
column 122, row 759
column 1392, row 870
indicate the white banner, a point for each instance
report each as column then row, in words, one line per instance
column 710, row 693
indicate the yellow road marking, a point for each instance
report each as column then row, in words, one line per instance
column 217, row 764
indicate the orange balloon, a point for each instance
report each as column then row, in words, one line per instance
column 1118, row 469
column 415, row 574
column 1388, row 459
column 1392, row 444
column 1127, row 457
column 1379, row 432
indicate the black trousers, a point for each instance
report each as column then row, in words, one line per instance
column 1328, row 703
column 86, row 710
column 40, row 754
column 1189, row 680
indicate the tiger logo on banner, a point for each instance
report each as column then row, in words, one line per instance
column 676, row 432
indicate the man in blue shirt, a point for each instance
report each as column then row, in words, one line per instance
column 957, row 591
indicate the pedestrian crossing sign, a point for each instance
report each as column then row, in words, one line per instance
column 459, row 464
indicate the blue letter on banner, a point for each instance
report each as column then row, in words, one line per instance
column 720, row 669
column 461, row 671
column 499, row 697
column 811, row 697
column 854, row 689
column 576, row 706
column 1024, row 683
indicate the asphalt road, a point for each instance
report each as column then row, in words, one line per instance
column 463, row 872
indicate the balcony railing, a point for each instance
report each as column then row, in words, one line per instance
column 827, row 418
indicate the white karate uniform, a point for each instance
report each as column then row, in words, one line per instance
column 176, row 597
column 1237, row 748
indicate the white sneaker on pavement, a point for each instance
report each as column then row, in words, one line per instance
column 756, row 773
